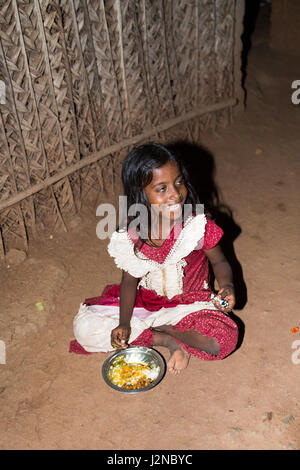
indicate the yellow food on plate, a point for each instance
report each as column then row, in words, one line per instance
column 131, row 376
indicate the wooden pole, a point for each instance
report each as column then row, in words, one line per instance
column 94, row 157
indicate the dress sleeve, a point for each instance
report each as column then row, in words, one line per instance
column 213, row 234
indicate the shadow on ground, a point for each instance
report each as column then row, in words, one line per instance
column 200, row 164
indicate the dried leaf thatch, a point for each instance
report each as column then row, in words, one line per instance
column 86, row 79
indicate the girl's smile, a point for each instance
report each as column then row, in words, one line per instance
column 167, row 191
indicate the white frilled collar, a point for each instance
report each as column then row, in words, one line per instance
column 121, row 248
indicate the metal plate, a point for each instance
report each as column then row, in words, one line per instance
column 135, row 354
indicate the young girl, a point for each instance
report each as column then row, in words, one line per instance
column 164, row 295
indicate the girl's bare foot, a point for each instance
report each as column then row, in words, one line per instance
column 179, row 358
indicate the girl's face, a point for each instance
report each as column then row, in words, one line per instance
column 167, row 190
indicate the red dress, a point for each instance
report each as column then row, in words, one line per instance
column 212, row 323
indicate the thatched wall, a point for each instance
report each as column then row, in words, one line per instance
column 86, row 79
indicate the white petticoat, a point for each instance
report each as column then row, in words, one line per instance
column 93, row 324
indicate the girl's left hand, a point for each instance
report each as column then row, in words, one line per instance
column 227, row 293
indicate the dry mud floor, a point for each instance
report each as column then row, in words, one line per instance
column 51, row 399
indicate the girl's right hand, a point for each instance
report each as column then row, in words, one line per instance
column 120, row 336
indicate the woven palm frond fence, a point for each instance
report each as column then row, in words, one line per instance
column 84, row 80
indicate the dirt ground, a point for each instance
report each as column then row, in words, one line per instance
column 52, row 399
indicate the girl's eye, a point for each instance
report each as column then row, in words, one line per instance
column 162, row 189
column 180, row 182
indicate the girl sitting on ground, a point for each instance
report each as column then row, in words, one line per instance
column 164, row 298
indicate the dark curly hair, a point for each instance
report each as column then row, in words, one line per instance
column 137, row 173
